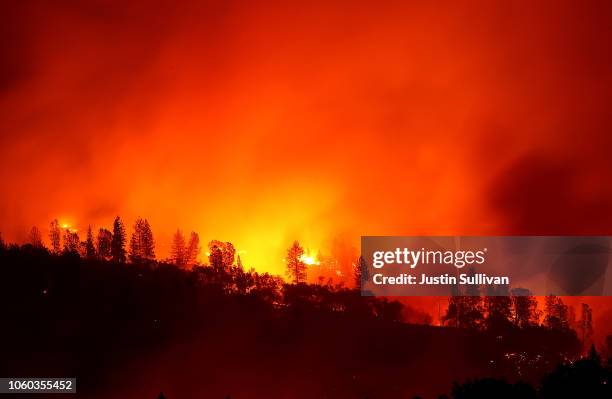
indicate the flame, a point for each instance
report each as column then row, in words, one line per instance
column 309, row 259
column 69, row 227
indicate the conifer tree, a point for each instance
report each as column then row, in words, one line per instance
column 361, row 272
column 55, row 236
column 148, row 243
column 498, row 307
column 524, row 308
column 118, row 241
column 296, row 268
column 142, row 245
column 585, row 325
column 178, row 251
column 556, row 313
column 193, row 249
column 104, row 243
column 90, row 249
column 35, row 237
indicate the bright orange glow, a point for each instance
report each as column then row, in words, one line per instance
column 310, row 260
column 318, row 122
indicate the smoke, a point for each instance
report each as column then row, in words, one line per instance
column 261, row 125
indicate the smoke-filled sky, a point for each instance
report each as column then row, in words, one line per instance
column 324, row 121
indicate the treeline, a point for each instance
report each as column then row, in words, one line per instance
column 224, row 268
column 516, row 308
column 113, row 245
column 184, row 252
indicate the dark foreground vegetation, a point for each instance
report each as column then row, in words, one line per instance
column 133, row 330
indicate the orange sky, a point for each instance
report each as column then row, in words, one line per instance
column 261, row 124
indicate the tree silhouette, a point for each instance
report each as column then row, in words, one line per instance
column 71, row 242
column 157, row 299
column 104, row 243
column 35, row 238
column 585, row 378
column 142, row 245
column 361, row 272
column 465, row 306
column 193, row 249
column 464, row 311
column 296, row 268
column 118, row 242
column 524, row 308
column 90, row 249
column 585, row 325
column 492, row 388
column 178, row 249
column 215, row 257
column 225, row 249
column 148, row 242
column 556, row 313
column 498, row 308
column 55, row 236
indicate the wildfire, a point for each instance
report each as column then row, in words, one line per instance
column 309, row 259
column 67, row 226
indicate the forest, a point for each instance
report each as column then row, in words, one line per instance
column 126, row 325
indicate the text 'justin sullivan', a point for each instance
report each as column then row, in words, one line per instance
column 412, row 258
column 442, row 279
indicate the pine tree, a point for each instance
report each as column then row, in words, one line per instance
column 239, row 263
column 90, row 249
column 142, row 245
column 361, row 272
column 498, row 307
column 178, row 251
column 104, row 244
column 585, row 325
column 296, row 268
column 556, row 313
column 2, row 243
column 35, row 237
column 524, row 308
column 193, row 250
column 118, row 241
column 148, row 243
column 55, row 236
